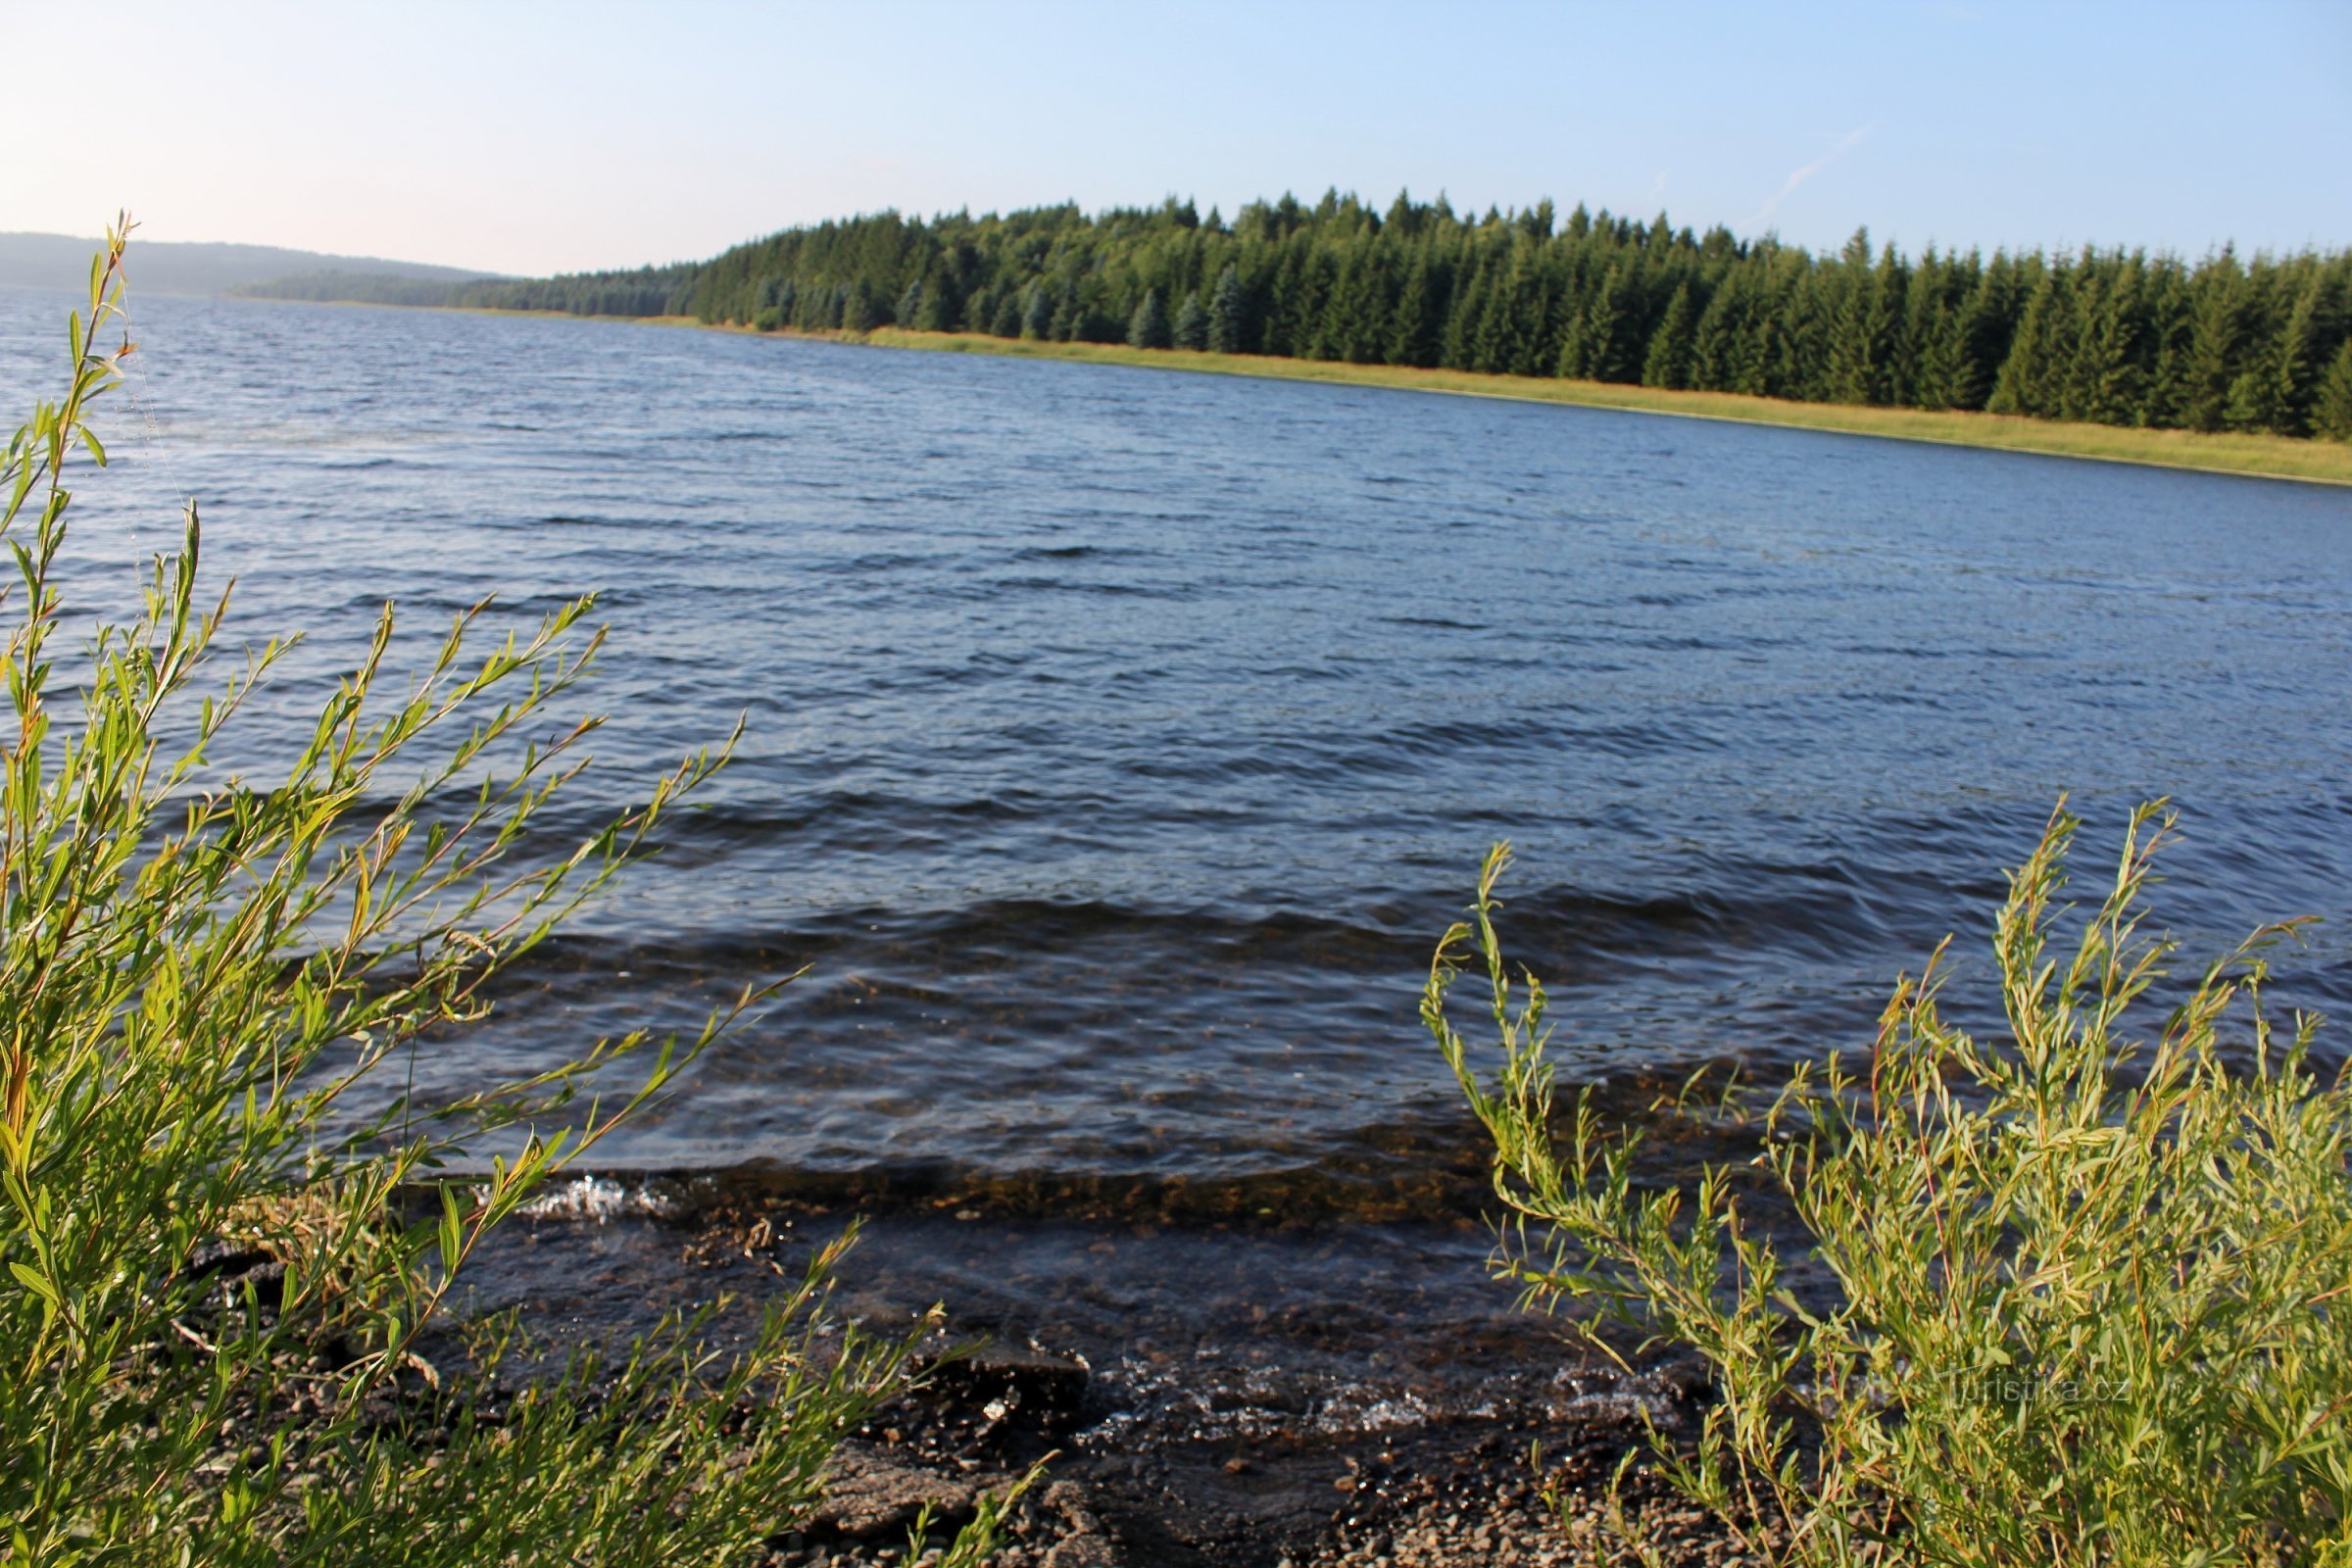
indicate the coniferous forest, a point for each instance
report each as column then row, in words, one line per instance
column 2112, row 336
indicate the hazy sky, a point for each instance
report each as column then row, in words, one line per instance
column 529, row 137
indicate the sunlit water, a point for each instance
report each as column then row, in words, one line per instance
column 1119, row 743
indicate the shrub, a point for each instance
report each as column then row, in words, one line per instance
column 217, row 1285
column 2091, row 1288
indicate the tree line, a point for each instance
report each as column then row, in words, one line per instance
column 2113, row 336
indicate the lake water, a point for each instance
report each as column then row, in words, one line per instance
column 1119, row 742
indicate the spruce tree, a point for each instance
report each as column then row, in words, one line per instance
column 1147, row 327
column 1037, row 314
column 1413, row 321
column 2215, row 343
column 2172, row 328
column 2292, row 366
column 2023, row 383
column 1228, row 315
column 2112, row 350
column 1006, row 320
column 940, row 310
column 1456, row 345
column 1491, row 336
column 1527, row 327
column 1192, row 323
column 1605, row 325
column 1850, row 291
column 1278, row 308
column 1302, row 312
column 1357, row 309
column 858, row 311
column 2331, row 405
column 1667, row 364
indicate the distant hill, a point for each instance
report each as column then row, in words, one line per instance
column 160, row 267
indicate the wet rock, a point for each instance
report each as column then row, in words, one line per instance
column 1088, row 1551
column 870, row 1492
column 1002, row 1377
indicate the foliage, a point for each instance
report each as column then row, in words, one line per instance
column 222, row 1282
column 2107, row 336
column 2090, row 1288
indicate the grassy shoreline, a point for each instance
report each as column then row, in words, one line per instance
column 2259, row 457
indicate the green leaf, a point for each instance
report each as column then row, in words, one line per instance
column 35, row 1281
column 452, row 1231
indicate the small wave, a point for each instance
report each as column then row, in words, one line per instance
column 598, row 1199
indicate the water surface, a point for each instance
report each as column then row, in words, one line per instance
column 1120, row 740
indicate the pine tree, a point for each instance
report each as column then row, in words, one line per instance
column 1850, row 289
column 1147, row 327
column 1229, row 315
column 940, row 308
column 1414, row 326
column 2112, row 353
column 1007, row 320
column 1528, row 318
column 2172, row 328
column 2215, row 343
column 1988, row 325
column 1456, row 345
column 1301, row 312
column 1668, row 362
column 1191, row 324
column 1356, row 311
column 2022, row 387
column 2292, row 365
column 1491, row 336
column 910, row 305
column 1037, row 314
column 2332, row 403
column 1280, row 310
column 1606, row 322
column 1714, row 362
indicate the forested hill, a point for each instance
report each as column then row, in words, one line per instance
column 2113, row 336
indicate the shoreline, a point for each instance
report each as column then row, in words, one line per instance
column 1180, row 1430
column 2237, row 455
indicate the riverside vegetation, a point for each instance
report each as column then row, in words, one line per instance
column 2087, row 1291
column 225, row 1317
column 2110, row 337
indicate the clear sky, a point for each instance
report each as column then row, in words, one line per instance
column 531, row 137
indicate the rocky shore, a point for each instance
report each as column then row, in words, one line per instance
column 1201, row 1396
column 1449, row 1493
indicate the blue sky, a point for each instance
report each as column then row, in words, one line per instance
column 531, row 137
